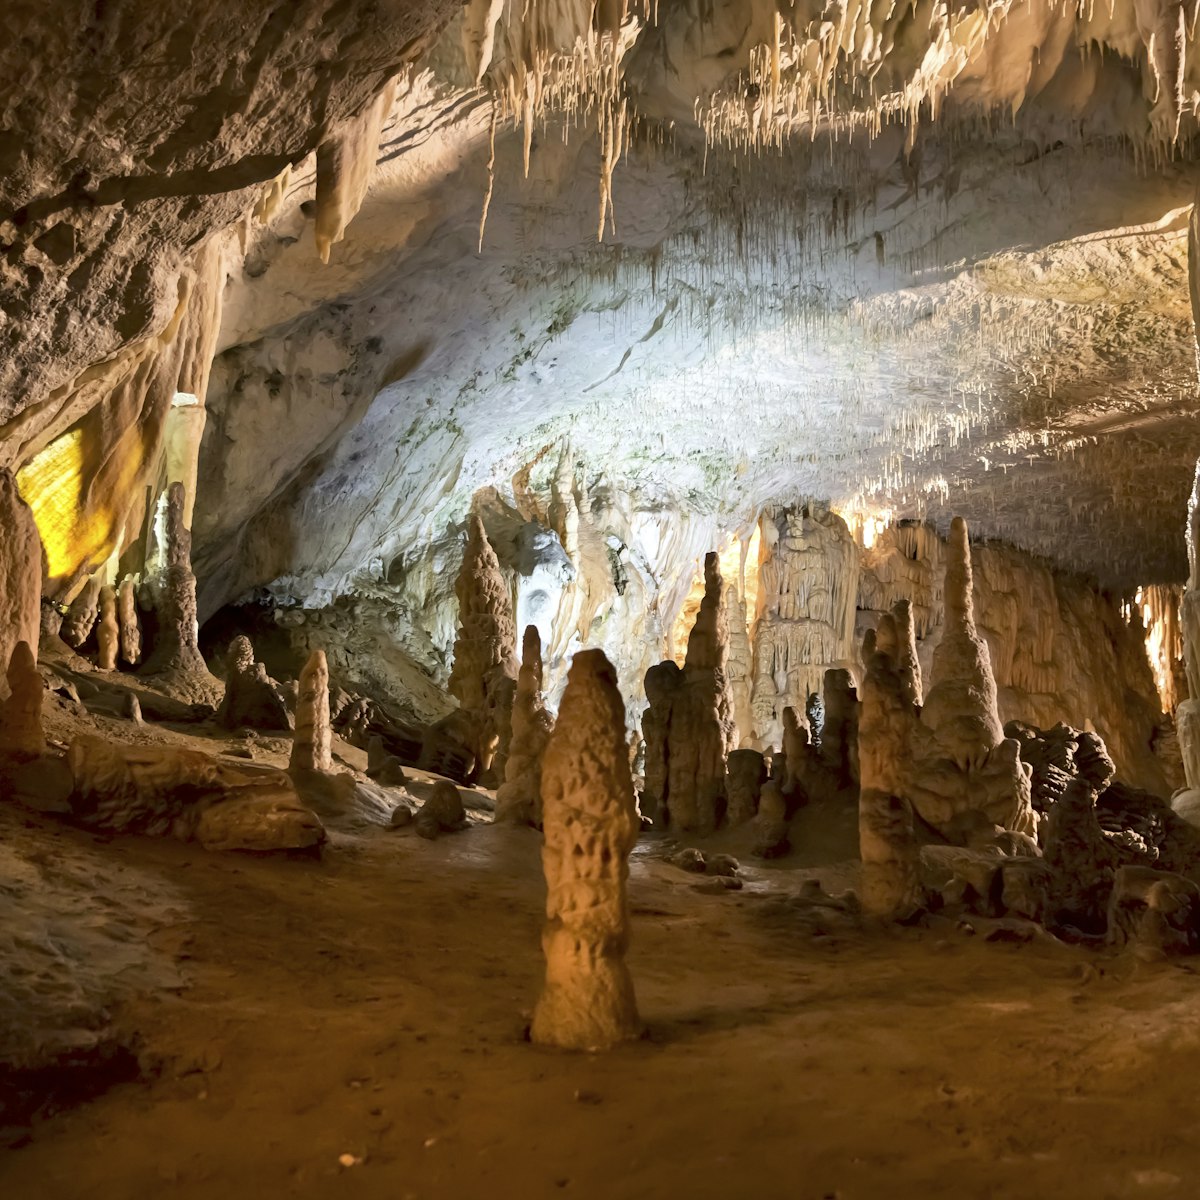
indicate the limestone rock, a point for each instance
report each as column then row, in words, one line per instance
column 164, row 790
column 312, row 743
column 108, row 633
column 82, row 613
column 486, row 640
column 21, row 713
column 251, row 699
column 771, row 824
column 443, row 812
column 127, row 620
column 384, row 768
column 839, row 735
column 519, row 798
column 890, row 859
column 1155, row 913
column 745, row 774
column 176, row 650
column 20, row 573
column 590, row 823
column 701, row 723
column 962, row 759
column 662, row 684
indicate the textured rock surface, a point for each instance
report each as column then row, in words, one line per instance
column 701, row 726
column 20, row 572
column 21, row 713
column 251, row 699
column 519, row 798
column 312, row 743
column 176, row 648
column 590, row 821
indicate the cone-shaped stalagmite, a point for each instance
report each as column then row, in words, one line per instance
column 890, row 860
column 485, row 646
column 81, row 616
column 519, row 798
column 962, row 760
column 906, row 658
column 701, row 724
column 590, row 821
column 663, row 681
column 312, row 744
column 176, row 648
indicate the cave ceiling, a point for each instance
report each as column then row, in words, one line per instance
column 912, row 262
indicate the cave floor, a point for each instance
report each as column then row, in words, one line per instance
column 354, row 1026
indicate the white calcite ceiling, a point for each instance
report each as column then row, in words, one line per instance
column 987, row 324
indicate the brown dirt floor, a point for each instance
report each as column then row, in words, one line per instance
column 372, row 1005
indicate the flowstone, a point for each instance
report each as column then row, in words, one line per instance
column 590, row 823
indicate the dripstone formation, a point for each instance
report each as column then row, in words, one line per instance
column 701, row 723
column 176, row 649
column 251, row 698
column 312, row 744
column 484, row 649
column 962, row 759
column 590, row 822
column 519, row 798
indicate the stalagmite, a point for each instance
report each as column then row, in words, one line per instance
column 662, row 685
column 798, row 755
column 963, row 761
column 21, row 714
column 81, row 615
column 20, row 573
column 890, row 884
column 176, row 650
column 312, row 743
column 519, row 798
column 108, row 632
column 739, row 667
column 701, row 724
column 591, row 824
column 127, row 619
column 251, row 699
column 908, row 662
column 486, row 640
column 839, row 736
column 746, row 772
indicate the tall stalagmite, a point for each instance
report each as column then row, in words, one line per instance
column 663, row 681
column 591, row 824
column 312, row 743
column 20, row 573
column 907, row 660
column 963, row 760
column 890, row 884
column 486, row 641
column 127, row 620
column 701, row 727
column 176, row 648
column 519, row 798
column 108, row 630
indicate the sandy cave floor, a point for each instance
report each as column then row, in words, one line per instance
column 288, row 1012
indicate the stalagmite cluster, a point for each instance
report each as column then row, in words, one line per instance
column 484, row 673
column 590, row 820
column 519, row 797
